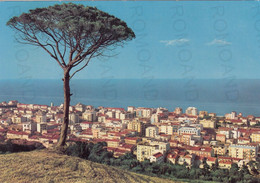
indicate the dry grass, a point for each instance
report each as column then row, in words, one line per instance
column 46, row 166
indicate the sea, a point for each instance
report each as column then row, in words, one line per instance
column 220, row 96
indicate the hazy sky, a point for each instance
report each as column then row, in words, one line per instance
column 173, row 40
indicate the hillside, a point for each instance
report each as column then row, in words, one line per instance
column 44, row 166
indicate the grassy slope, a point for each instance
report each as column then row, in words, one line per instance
column 43, row 166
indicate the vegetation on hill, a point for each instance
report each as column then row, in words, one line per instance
column 46, row 167
column 98, row 153
column 19, row 145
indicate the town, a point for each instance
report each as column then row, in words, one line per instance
column 180, row 137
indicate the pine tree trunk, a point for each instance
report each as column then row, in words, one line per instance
column 65, row 124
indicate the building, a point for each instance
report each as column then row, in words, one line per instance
column 224, row 164
column 202, row 114
column 149, row 148
column 163, row 147
column 231, row 115
column 155, row 118
column 178, row 110
column 41, row 127
column 168, row 129
column 201, row 151
column 132, row 140
column 211, row 160
column 29, row 127
column 89, row 116
column 208, row 123
column 96, row 132
column 137, row 126
column 243, row 151
column 186, row 138
column 143, row 112
column 40, row 117
column 225, row 131
column 192, row 111
column 151, row 131
column 73, row 118
column 255, row 137
column 17, row 135
column 219, row 150
column 187, row 159
column 221, row 137
column 130, row 109
column 113, row 143
column 157, row 157
column 188, row 130
column 86, row 125
column 172, row 158
column 145, row 150
column 19, row 119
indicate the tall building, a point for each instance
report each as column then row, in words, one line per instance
column 145, row 150
column 192, row 111
column 243, row 151
column 151, row 131
column 233, row 115
column 89, row 116
column 73, row 118
column 136, row 126
column 155, row 118
column 167, row 129
column 130, row 109
column 40, row 117
column 178, row 110
column 202, row 114
column 41, row 127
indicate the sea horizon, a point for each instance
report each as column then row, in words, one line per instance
column 220, row 96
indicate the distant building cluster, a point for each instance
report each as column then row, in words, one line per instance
column 155, row 134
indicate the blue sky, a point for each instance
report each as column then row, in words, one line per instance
column 174, row 40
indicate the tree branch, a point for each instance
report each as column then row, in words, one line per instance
column 82, row 66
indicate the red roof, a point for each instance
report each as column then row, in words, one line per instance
column 34, row 137
column 113, row 119
column 112, row 140
column 114, row 108
column 131, row 138
column 3, row 130
column 86, row 122
column 221, row 135
column 157, row 155
column 203, row 149
column 18, row 133
column 223, row 129
column 211, row 159
column 127, row 146
column 173, row 156
column 225, row 162
column 228, row 158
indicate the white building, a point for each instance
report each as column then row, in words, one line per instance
column 89, row 116
column 73, row 118
column 29, row 127
column 167, row 129
column 188, row 130
column 151, row 131
column 86, row 125
column 192, row 111
column 41, row 127
column 158, row 158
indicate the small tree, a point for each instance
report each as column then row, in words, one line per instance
column 72, row 35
